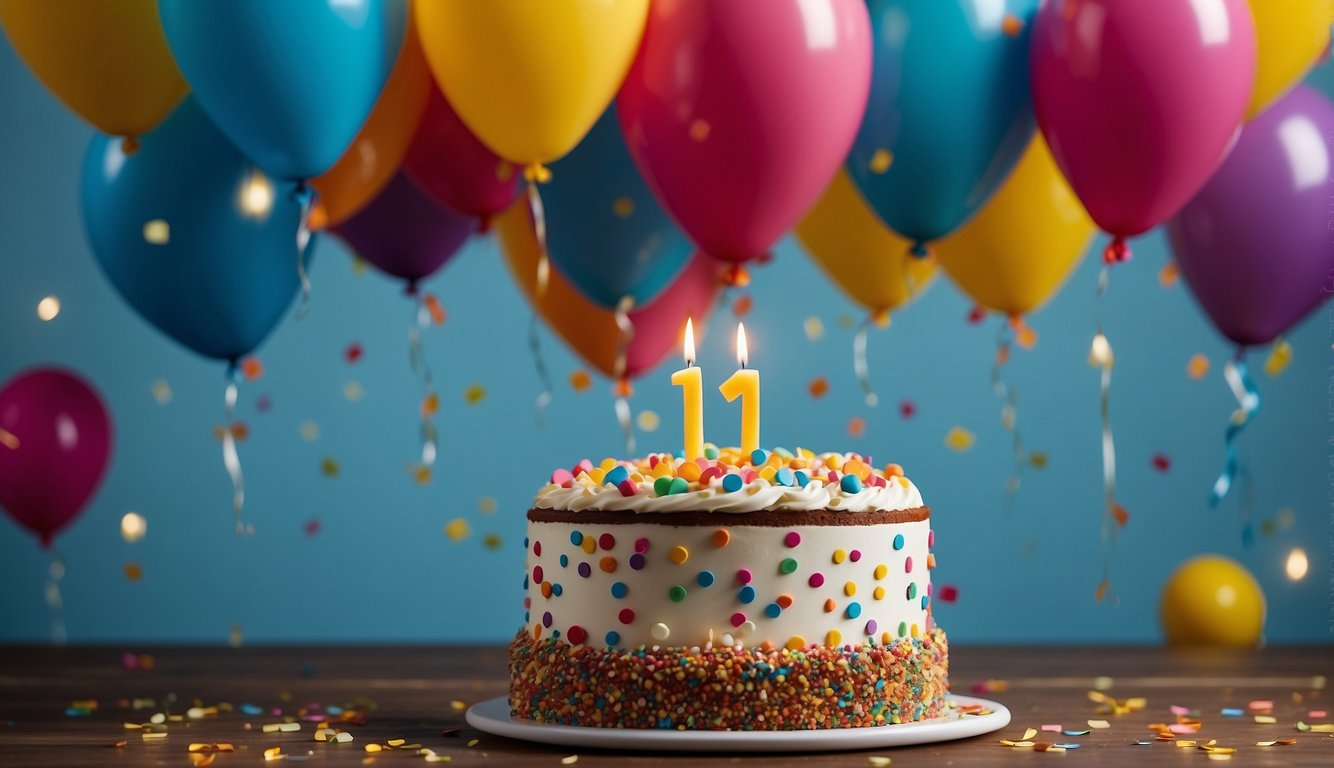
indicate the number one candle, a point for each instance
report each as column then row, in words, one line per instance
column 745, row 384
column 692, row 397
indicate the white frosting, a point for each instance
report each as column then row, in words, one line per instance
column 707, row 612
column 754, row 497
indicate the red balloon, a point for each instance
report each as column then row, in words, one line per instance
column 739, row 113
column 55, row 441
column 454, row 167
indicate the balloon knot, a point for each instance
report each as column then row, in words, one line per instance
column 881, row 318
column 46, row 539
column 484, row 225
column 129, row 145
column 1117, row 251
column 536, row 173
column 410, row 288
column 736, row 276
column 623, row 388
column 919, row 250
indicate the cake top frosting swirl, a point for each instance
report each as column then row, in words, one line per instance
column 727, row 481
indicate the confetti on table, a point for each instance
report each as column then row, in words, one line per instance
column 569, row 760
column 1053, row 728
column 311, row 526
column 814, row 328
column 133, row 527
column 1198, row 367
column 161, row 391
column 353, row 391
column 648, row 421
column 474, row 394
column 1266, row 719
column 856, row 426
column 818, row 387
column 134, row 571
column 1084, row 732
column 1316, row 714
column 1102, row 683
column 1167, row 276
column 879, row 761
column 1279, row 358
column 492, row 541
column 1231, row 712
column 1099, row 724
column 1109, row 705
column 907, row 409
column 457, row 529
column 1315, row 727
column 310, row 431
column 352, row 353
column 329, row 467
column 959, row 439
column 252, row 368
column 580, row 380
column 742, row 306
column 1261, row 705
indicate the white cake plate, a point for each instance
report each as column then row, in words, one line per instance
column 493, row 717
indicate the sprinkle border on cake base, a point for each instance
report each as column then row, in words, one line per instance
column 729, row 688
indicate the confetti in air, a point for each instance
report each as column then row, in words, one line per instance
column 353, row 353
column 814, row 328
column 48, row 308
column 856, row 426
column 492, row 541
column 742, row 306
column 310, row 431
column 486, row 505
column 1161, row 462
column 648, row 421
column 580, row 381
column 818, row 387
column 907, row 409
column 161, row 391
column 1198, row 367
column 959, row 439
column 134, row 571
column 133, row 527
column 1280, row 356
column 1297, row 564
column 352, row 391
column 311, row 527
column 252, row 368
column 329, row 467
column 1167, row 276
column 457, row 529
column 474, row 394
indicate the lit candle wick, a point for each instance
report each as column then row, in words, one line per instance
column 741, row 351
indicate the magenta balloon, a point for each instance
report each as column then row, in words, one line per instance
column 1254, row 245
column 405, row 234
column 454, row 167
column 55, row 440
column 1139, row 99
column 739, row 113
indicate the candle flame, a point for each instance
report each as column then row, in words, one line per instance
column 742, row 354
column 690, row 342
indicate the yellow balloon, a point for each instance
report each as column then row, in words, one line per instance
column 858, row 252
column 1018, row 250
column 1211, row 600
column 107, row 61
column 1290, row 35
column 529, row 78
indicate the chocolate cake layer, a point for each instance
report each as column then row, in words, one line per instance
column 764, row 518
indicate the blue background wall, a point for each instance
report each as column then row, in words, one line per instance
column 381, row 568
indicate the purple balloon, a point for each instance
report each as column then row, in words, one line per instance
column 404, row 233
column 1254, row 245
column 55, row 440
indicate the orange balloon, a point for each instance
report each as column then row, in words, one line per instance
column 375, row 154
column 589, row 329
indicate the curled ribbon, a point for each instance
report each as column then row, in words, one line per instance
column 54, row 601
column 419, row 366
column 1248, row 404
column 305, row 197
column 859, row 363
column 626, row 333
column 1101, row 356
column 539, row 174
column 1009, row 410
column 543, row 376
column 230, row 459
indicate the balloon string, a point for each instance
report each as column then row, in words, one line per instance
column 1101, row 356
column 54, row 601
column 543, row 376
column 422, row 370
column 305, row 197
column 540, row 231
column 625, row 328
column 1248, row 402
column 622, row 405
column 230, row 459
column 1009, row 411
column 859, row 365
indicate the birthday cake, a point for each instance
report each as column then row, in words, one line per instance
column 766, row 591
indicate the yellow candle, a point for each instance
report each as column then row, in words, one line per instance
column 746, row 385
column 692, row 397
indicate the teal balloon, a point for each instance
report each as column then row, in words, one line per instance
column 192, row 235
column 290, row 82
column 605, row 231
column 949, row 113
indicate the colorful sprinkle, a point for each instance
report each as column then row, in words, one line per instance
column 678, row 554
column 721, row 537
column 792, row 539
column 705, row 579
column 677, row 593
column 816, row 579
column 788, row 565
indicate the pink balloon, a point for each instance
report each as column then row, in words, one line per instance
column 1140, row 99
column 55, row 440
column 739, row 113
column 453, row 166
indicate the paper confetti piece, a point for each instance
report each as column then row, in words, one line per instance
column 818, row 387
column 699, row 129
column 1316, row 714
column 1012, row 25
column 648, row 421
column 1260, row 705
column 1198, row 367
column 474, row 394
column 358, row 265
column 310, row 431
column 959, row 440
column 1177, row 709
column 1279, row 358
column 1266, row 719
column 1038, row 460
column 1084, row 732
column 1099, row 724
column 881, row 159
column 161, row 391
column 353, row 391
column 580, row 380
column 353, row 352
column 311, row 526
column 133, row 527
column 569, row 760
column 252, row 368
column 435, row 308
column 329, row 467
column 1167, row 276
column 622, row 207
column 1161, row 462
column 457, row 529
column 814, row 328
column 742, row 306
column 907, row 409
column 948, row 593
column 492, row 541
column 264, row 403
column 879, row 761
column 846, row 321
column 1230, row 712
column 856, row 426
column 430, row 405
column 1054, row 728
column 486, row 505
column 134, row 571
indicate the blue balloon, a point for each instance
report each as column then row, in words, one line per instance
column 949, row 112
column 605, row 231
column 290, row 82
column 192, row 235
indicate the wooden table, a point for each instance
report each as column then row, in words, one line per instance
column 418, row 694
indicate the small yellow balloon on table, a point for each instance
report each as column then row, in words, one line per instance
column 1213, row 600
